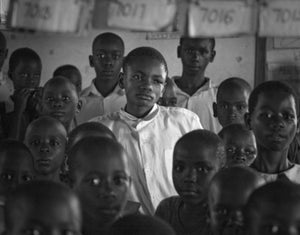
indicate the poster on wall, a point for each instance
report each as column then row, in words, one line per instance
column 279, row 18
column 220, row 18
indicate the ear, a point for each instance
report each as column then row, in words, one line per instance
column 215, row 109
column 79, row 106
column 91, row 60
column 179, row 52
column 121, row 80
column 212, row 57
column 247, row 120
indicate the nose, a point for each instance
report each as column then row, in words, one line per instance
column 191, row 176
column 57, row 103
column 147, row 84
column 44, row 148
column 239, row 153
column 235, row 217
column 277, row 123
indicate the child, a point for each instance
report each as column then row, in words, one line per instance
column 99, row 174
column 42, row 207
column 169, row 95
column 104, row 94
column 240, row 145
column 88, row 129
column 232, row 101
column 198, row 155
column 194, row 91
column 273, row 118
column 46, row 138
column 72, row 73
column 140, row 225
column 148, row 131
column 60, row 100
column 24, row 70
column 228, row 193
column 16, row 165
column 274, row 209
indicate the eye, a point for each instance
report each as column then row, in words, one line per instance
column 241, row 107
column 202, row 169
column 35, row 142
column 66, row 98
column 157, row 82
column 49, row 99
column 95, row 181
column 230, row 150
column 32, row 231
column 221, row 212
column 137, row 77
column 54, row 143
column 116, row 56
column 249, row 152
column 224, row 106
column 190, row 51
column 178, row 168
column 272, row 229
column 100, row 55
column 24, row 75
column 267, row 115
column 7, row 176
column 289, row 116
column 69, row 232
column 120, row 180
column 27, row 178
column 36, row 76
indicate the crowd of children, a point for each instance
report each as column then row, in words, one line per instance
column 143, row 152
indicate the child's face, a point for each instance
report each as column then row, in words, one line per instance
column 225, row 206
column 60, row 101
column 144, row 81
column 102, row 184
column 274, row 120
column 283, row 219
column 53, row 218
column 47, row 145
column 107, row 59
column 169, row 97
column 231, row 106
column 196, row 54
column 240, row 148
column 27, row 74
column 17, row 168
column 193, row 168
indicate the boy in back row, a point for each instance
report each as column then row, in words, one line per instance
column 147, row 131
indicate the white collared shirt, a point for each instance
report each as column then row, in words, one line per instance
column 94, row 104
column 201, row 103
column 149, row 143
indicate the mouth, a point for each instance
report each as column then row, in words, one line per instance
column 58, row 114
column 44, row 162
column 144, row 97
column 276, row 137
column 107, row 72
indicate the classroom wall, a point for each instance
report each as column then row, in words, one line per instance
column 235, row 56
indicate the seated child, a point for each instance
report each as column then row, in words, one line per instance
column 148, row 131
column 274, row 209
column 104, row 95
column 46, row 138
column 42, row 207
column 228, row 193
column 88, row 129
column 99, row 174
column 24, row 70
column 16, row 166
column 60, row 100
column 72, row 73
column 198, row 155
column 240, row 145
column 273, row 119
column 140, row 225
column 232, row 101
column 169, row 95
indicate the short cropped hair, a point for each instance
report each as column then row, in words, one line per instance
column 205, row 138
column 211, row 40
column 64, row 69
column 35, row 193
column 108, row 36
column 270, row 86
column 94, row 127
column 22, row 54
column 234, row 128
column 232, row 83
column 144, row 52
column 140, row 225
column 59, row 79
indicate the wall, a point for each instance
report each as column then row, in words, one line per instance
column 235, row 56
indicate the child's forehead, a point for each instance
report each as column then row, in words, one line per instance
column 47, row 129
column 108, row 44
column 196, row 152
column 197, row 42
column 275, row 99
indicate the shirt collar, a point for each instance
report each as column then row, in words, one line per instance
column 206, row 86
column 135, row 121
column 117, row 90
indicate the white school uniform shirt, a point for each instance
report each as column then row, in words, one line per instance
column 293, row 174
column 201, row 103
column 149, row 143
column 94, row 104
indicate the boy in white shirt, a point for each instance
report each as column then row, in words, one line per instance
column 104, row 94
column 147, row 131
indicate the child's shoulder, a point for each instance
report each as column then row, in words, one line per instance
column 178, row 113
column 110, row 117
column 167, row 206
